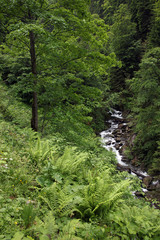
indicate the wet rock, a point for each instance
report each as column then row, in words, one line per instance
column 139, row 174
column 123, row 168
column 127, row 128
column 121, row 120
column 158, row 186
column 121, row 144
column 117, row 146
column 154, row 185
column 111, row 135
column 153, row 195
column 131, row 140
column 122, row 126
column 123, row 149
column 123, row 138
column 119, row 132
column 139, row 194
column 108, row 143
column 118, row 139
column 119, row 135
column 125, row 159
column 147, row 180
column 115, row 131
column 120, row 150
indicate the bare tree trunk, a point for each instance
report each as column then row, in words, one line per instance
column 34, row 120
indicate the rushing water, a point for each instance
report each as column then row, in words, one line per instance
column 109, row 142
column 108, row 139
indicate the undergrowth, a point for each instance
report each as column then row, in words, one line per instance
column 51, row 189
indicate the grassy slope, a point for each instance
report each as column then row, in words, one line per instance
column 52, row 190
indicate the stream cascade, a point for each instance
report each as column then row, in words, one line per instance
column 114, row 139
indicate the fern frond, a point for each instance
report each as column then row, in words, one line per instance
column 40, row 150
column 44, row 199
column 70, row 229
column 71, row 161
column 47, row 227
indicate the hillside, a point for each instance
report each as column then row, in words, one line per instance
column 64, row 66
column 51, row 189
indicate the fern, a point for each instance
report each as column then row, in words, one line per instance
column 71, row 161
column 61, row 200
column 28, row 215
column 69, row 231
column 101, row 195
column 142, row 223
column 89, row 197
column 40, row 150
column 46, row 229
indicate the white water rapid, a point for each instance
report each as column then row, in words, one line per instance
column 108, row 139
column 109, row 142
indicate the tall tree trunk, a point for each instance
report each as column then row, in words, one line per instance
column 34, row 120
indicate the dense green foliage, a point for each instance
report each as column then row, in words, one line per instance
column 134, row 35
column 68, row 71
column 51, row 189
column 146, row 88
column 63, row 65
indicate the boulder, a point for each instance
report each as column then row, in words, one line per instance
column 118, row 139
column 122, row 126
column 147, row 181
column 131, row 140
column 158, row 186
column 108, row 143
column 125, row 159
column 123, row 149
column 139, row 174
column 139, row 194
column 123, row 168
column 116, row 131
column 153, row 185
column 121, row 144
column 117, row 146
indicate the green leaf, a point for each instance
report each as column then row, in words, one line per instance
column 44, row 237
column 28, row 238
column 40, row 180
column 18, row 236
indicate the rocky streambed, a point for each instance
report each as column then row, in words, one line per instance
column 117, row 138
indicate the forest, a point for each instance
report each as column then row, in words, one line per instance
column 64, row 66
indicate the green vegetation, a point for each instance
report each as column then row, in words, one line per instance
column 134, row 35
column 55, row 189
column 63, row 65
column 146, row 104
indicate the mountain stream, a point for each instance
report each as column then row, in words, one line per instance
column 113, row 139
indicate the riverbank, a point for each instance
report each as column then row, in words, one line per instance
column 119, row 138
